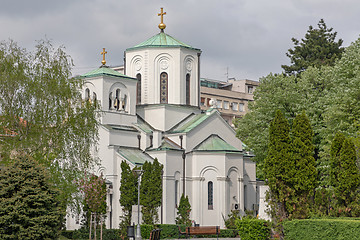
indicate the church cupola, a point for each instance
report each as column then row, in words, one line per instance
column 114, row 91
column 167, row 70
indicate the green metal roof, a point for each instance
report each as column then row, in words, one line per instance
column 104, row 70
column 119, row 127
column 162, row 40
column 215, row 143
column 167, row 144
column 191, row 122
column 143, row 126
column 134, row 155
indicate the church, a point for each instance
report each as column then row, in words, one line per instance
column 151, row 109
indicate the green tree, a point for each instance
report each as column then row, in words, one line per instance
column 342, row 101
column 183, row 211
column 40, row 103
column 305, row 178
column 348, row 177
column 275, row 92
column 94, row 189
column 151, row 191
column 336, row 146
column 128, row 195
column 280, row 167
column 29, row 207
column 318, row 48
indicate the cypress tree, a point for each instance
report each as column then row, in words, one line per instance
column 279, row 166
column 335, row 157
column 128, row 195
column 183, row 211
column 348, row 174
column 151, row 191
column 302, row 153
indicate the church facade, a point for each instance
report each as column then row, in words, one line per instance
column 152, row 110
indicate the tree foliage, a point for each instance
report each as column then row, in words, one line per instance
column 280, row 167
column 328, row 95
column 344, row 171
column 318, row 48
column 29, row 207
column 183, row 211
column 42, row 113
column 151, row 191
column 305, row 177
column 128, row 195
column 94, row 190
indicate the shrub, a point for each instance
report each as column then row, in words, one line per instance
column 232, row 217
column 337, row 228
column 251, row 228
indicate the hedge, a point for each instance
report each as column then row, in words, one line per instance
column 328, row 229
column 251, row 228
column 168, row 231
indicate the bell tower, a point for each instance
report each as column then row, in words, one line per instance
column 167, row 70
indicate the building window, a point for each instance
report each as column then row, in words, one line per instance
column 241, row 107
column 110, row 100
column 188, row 89
column 234, row 106
column 250, row 89
column 202, row 101
column 138, row 89
column 163, row 87
column 245, row 197
column 87, row 94
column 226, row 105
column 176, row 192
column 210, row 195
column 219, row 103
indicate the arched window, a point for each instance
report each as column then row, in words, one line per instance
column 94, row 98
column 210, row 195
column 188, row 89
column 138, row 89
column 245, row 197
column 176, row 192
column 87, row 94
column 163, row 87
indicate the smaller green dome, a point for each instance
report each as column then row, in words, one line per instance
column 104, row 70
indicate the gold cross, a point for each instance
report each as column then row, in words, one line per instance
column 162, row 25
column 103, row 53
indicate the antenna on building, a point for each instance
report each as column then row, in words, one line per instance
column 227, row 73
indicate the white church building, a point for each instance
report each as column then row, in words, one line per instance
column 151, row 110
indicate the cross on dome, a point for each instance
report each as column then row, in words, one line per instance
column 162, row 25
column 103, row 53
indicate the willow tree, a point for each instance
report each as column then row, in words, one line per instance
column 43, row 115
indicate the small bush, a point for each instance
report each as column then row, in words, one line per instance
column 145, row 230
column 251, row 228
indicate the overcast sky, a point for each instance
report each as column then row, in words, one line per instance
column 248, row 37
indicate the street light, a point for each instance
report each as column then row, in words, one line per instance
column 138, row 232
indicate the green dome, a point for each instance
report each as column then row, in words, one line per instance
column 162, row 40
column 105, row 71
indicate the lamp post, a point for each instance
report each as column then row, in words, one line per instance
column 138, row 232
